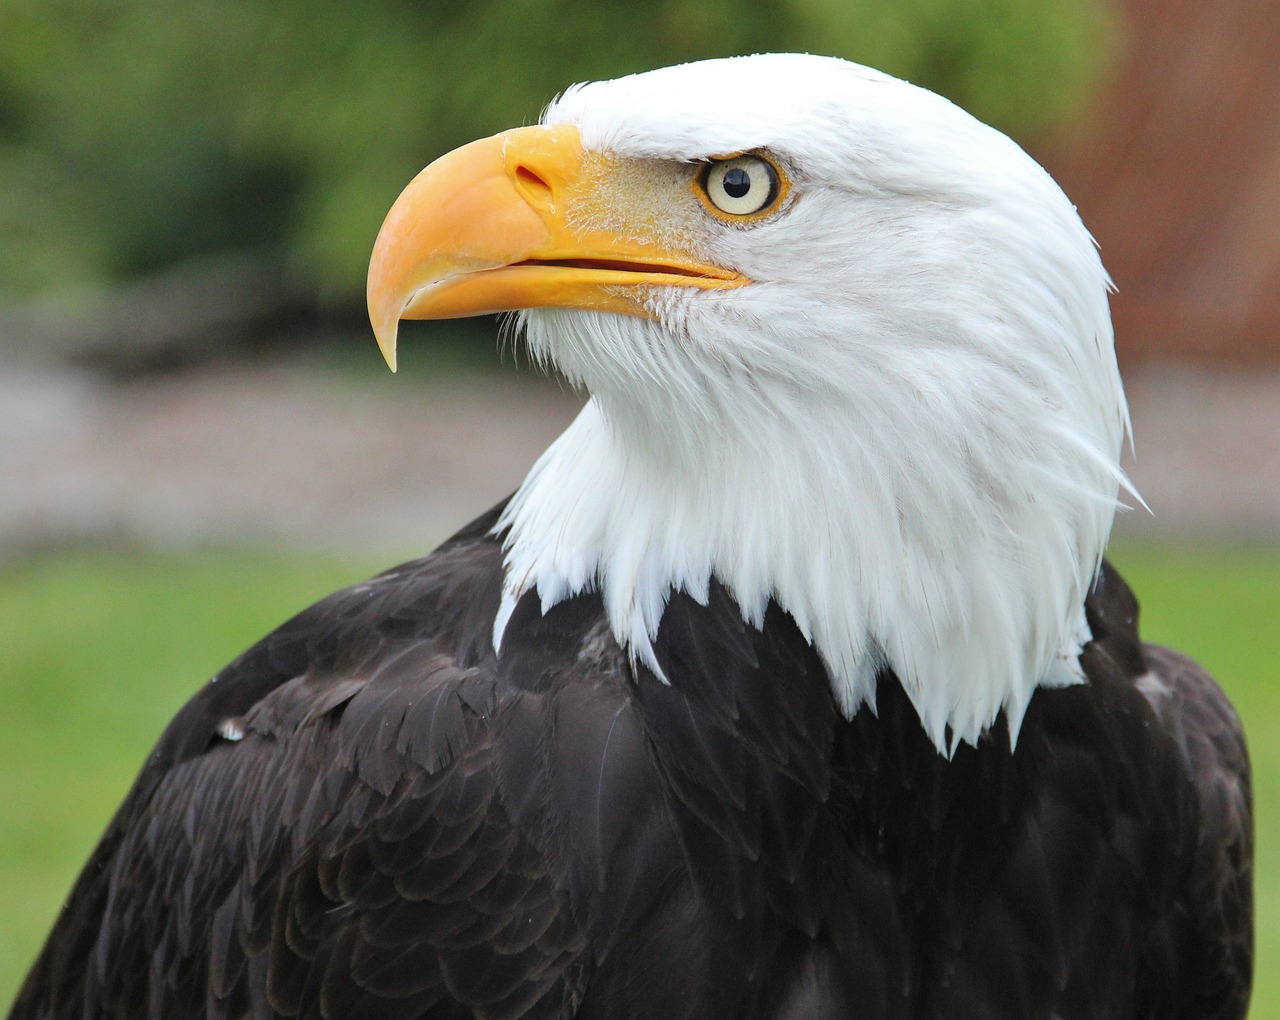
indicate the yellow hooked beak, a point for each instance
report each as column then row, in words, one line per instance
column 497, row 225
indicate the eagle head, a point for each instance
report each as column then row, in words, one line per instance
column 847, row 348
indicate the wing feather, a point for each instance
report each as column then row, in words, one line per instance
column 348, row 853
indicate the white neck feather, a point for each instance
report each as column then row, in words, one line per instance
column 894, row 530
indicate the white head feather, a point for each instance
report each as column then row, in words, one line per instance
column 906, row 431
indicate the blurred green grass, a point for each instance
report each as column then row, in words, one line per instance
column 98, row 650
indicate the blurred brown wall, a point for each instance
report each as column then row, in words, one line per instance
column 1177, row 174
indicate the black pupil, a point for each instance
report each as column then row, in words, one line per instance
column 737, row 182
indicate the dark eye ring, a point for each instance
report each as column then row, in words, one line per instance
column 741, row 185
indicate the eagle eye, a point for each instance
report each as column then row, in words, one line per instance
column 741, row 186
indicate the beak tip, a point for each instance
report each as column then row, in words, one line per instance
column 386, row 337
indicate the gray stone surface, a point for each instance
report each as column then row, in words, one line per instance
column 1206, row 452
column 287, row 454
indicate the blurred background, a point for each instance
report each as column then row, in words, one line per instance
column 197, row 436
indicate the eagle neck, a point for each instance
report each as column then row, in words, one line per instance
column 878, row 569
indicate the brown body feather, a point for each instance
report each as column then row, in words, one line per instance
column 369, row 814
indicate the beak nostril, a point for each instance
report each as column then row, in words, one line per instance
column 533, row 186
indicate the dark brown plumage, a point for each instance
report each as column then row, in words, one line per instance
column 368, row 814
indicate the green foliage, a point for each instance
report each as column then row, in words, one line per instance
column 136, row 134
column 100, row 650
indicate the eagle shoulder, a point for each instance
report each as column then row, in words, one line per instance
column 1204, row 941
column 366, row 814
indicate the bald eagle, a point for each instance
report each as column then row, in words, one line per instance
column 790, row 683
